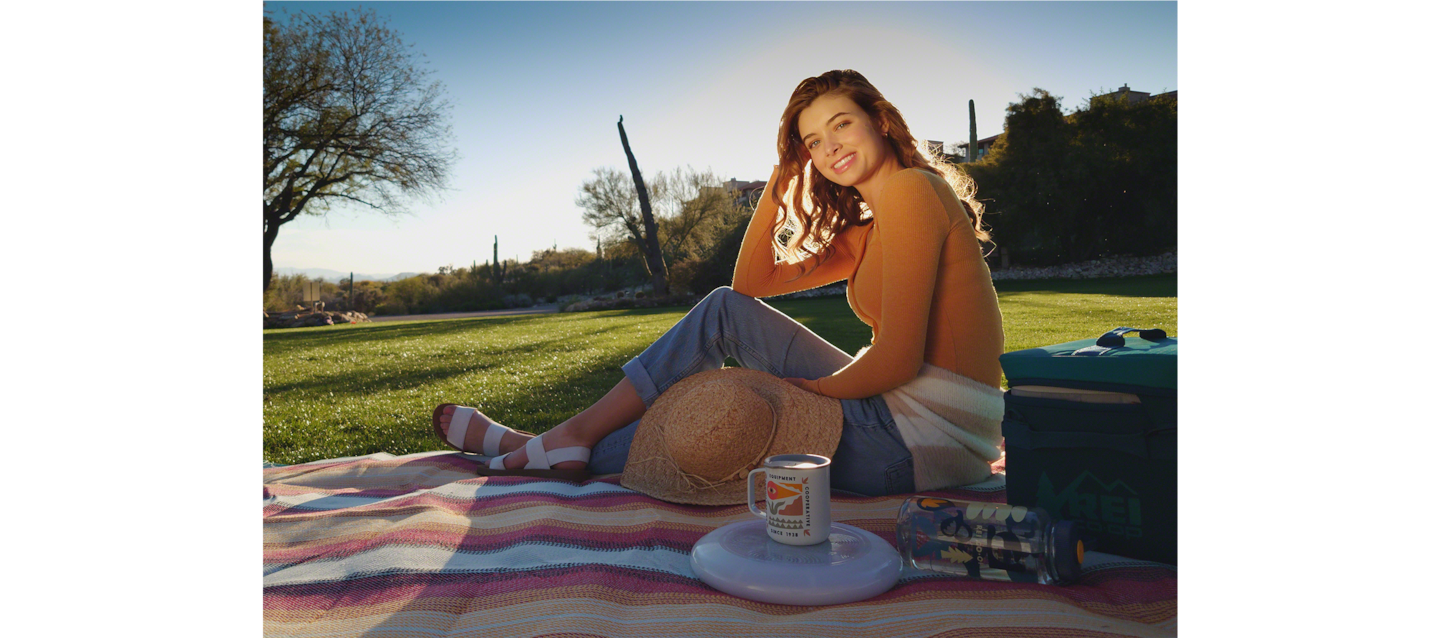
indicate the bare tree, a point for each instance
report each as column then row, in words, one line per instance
column 611, row 207
column 349, row 116
column 690, row 202
column 686, row 204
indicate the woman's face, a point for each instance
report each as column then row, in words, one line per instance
column 847, row 147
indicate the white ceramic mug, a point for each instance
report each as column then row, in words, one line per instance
column 797, row 498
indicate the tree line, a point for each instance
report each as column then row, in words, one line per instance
column 1098, row 182
column 548, row 276
column 350, row 116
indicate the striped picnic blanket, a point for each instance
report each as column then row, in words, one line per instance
column 418, row 545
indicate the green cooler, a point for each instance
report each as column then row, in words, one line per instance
column 1090, row 437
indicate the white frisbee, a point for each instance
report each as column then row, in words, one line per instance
column 740, row 560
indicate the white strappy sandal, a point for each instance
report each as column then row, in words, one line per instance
column 540, row 460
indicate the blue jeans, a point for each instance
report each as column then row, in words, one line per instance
column 871, row 459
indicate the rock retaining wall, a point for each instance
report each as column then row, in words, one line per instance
column 310, row 318
column 1094, row 269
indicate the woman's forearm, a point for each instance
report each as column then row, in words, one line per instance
column 757, row 274
column 755, row 267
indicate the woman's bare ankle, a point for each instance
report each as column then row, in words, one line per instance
column 510, row 440
column 561, row 436
column 514, row 440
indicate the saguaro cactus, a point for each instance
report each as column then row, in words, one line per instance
column 496, row 267
column 972, row 152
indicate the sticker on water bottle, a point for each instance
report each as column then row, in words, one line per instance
column 985, row 540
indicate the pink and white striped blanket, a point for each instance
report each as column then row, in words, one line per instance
column 419, row 545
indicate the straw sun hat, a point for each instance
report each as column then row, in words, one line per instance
column 699, row 440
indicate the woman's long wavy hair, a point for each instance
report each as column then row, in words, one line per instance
column 825, row 209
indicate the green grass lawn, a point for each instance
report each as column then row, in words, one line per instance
column 358, row 389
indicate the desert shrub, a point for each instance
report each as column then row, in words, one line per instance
column 718, row 268
column 392, row 308
column 467, row 292
column 368, row 296
column 683, row 274
column 418, row 293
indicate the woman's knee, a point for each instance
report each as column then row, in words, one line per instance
column 719, row 294
column 726, row 296
column 720, row 297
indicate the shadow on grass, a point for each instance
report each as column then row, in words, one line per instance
column 352, row 390
column 390, row 379
column 829, row 317
column 289, row 340
column 369, row 332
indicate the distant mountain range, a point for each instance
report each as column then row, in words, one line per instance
column 336, row 276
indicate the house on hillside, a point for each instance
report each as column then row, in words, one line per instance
column 1130, row 96
column 746, row 194
column 982, row 146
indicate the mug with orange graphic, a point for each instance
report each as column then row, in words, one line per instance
column 797, row 498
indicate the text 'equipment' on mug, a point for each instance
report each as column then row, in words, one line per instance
column 797, row 498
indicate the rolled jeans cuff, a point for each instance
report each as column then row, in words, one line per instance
column 640, row 378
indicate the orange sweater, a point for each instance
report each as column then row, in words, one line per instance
column 916, row 277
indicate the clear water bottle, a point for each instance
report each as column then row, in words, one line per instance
column 993, row 541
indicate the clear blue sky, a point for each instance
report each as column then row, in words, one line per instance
column 537, row 89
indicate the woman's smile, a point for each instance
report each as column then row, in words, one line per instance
column 845, row 144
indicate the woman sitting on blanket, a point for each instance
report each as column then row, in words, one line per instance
column 921, row 405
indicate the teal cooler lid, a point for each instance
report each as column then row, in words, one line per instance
column 1147, row 360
